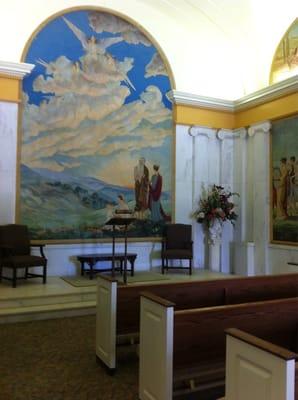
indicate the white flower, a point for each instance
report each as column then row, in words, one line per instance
column 201, row 215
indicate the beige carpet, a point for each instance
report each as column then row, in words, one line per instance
column 81, row 281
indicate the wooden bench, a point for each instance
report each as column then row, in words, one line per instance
column 189, row 345
column 118, row 307
column 92, row 259
column 260, row 368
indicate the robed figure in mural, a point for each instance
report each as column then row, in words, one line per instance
column 141, row 176
column 281, row 209
column 157, row 213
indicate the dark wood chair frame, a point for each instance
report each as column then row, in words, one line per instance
column 7, row 251
column 166, row 257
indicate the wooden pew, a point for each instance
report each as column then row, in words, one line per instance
column 259, row 369
column 189, row 345
column 118, row 306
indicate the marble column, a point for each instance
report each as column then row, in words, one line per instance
column 8, row 161
column 227, row 149
column 205, row 172
column 243, row 246
column 259, row 135
column 9, row 142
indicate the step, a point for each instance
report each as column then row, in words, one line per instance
column 46, row 311
column 43, row 300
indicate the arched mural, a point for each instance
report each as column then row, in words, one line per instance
column 285, row 61
column 97, row 129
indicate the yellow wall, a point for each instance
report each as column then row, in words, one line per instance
column 274, row 109
column 9, row 89
column 190, row 115
column 282, row 107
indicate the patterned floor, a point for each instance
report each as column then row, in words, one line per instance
column 55, row 360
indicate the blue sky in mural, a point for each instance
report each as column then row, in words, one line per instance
column 96, row 99
column 94, row 105
column 48, row 46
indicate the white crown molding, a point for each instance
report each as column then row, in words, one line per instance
column 183, row 98
column 16, row 70
column 271, row 92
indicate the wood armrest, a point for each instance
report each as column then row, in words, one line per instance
column 157, row 299
column 278, row 351
column 41, row 246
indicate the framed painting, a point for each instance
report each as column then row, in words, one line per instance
column 284, row 181
column 97, row 130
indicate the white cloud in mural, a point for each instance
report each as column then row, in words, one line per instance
column 84, row 113
column 54, row 165
column 101, row 22
column 124, row 121
column 155, row 67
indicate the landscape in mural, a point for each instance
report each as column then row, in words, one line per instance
column 96, row 130
column 285, row 181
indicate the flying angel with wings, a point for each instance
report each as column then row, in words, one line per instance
column 97, row 47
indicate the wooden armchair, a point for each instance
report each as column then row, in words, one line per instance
column 177, row 245
column 15, row 253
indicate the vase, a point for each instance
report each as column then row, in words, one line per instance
column 214, row 241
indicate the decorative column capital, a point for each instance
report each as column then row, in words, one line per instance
column 210, row 133
column 263, row 127
column 15, row 70
column 223, row 134
column 241, row 133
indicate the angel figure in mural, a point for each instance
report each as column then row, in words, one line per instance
column 96, row 51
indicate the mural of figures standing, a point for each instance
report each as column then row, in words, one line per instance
column 285, row 181
column 157, row 212
column 95, row 111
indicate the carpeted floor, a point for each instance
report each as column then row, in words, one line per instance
column 55, row 360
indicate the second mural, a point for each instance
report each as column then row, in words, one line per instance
column 96, row 130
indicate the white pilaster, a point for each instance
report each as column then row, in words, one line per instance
column 183, row 175
column 8, row 161
column 260, row 190
column 227, row 145
column 205, row 154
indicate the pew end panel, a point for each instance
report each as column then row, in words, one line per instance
column 156, row 348
column 106, row 310
column 257, row 369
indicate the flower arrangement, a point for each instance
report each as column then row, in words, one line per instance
column 214, row 205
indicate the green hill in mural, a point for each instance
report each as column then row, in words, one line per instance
column 50, row 199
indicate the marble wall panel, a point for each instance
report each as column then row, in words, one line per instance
column 8, row 162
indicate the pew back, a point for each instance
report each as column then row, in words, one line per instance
column 194, row 340
column 199, row 334
column 197, row 294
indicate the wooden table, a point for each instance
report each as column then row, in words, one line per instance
column 92, row 259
